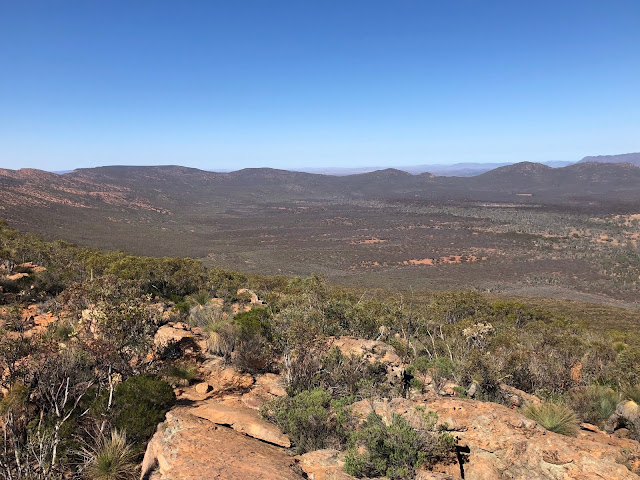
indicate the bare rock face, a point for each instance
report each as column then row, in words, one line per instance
column 225, row 378
column 324, row 465
column 188, row 448
column 496, row 442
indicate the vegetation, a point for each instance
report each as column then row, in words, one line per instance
column 311, row 420
column 595, row 403
column 95, row 364
column 554, row 417
column 139, row 405
column 397, row 449
column 109, row 458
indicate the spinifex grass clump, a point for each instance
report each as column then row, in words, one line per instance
column 109, row 458
column 554, row 417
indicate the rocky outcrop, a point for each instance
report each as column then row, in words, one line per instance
column 250, row 295
column 186, row 447
column 517, row 398
column 189, row 339
column 495, row 442
column 372, row 351
column 218, row 432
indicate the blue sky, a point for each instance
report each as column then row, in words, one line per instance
column 232, row 84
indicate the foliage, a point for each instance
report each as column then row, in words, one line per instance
column 93, row 364
column 554, row 417
column 632, row 392
column 109, row 457
column 311, row 419
column 180, row 373
column 397, row 449
column 139, row 405
column 594, row 404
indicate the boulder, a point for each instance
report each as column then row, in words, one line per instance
column 251, row 295
column 225, row 378
column 373, row 351
column 627, row 415
column 272, row 383
column 189, row 448
column 517, row 398
column 449, row 389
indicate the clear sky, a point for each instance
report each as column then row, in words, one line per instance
column 237, row 83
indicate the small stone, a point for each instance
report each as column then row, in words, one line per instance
column 623, row 433
column 203, row 388
column 590, row 428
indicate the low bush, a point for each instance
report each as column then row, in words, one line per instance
column 554, row 417
column 311, row 419
column 180, row 374
column 140, row 404
column 594, row 404
column 397, row 449
column 632, row 393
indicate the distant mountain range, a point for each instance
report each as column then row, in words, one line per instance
column 174, row 188
column 468, row 169
column 164, row 209
column 633, row 158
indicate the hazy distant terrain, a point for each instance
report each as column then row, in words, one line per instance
column 525, row 228
column 452, row 170
column 633, row 158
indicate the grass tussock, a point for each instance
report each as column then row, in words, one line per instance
column 554, row 417
column 110, row 458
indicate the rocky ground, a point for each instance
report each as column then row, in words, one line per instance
column 216, row 431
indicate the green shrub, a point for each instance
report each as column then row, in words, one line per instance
column 109, row 458
column 63, row 330
column 595, row 403
column 140, row 404
column 311, row 419
column 397, row 449
column 252, row 323
column 180, row 373
column 554, row 417
column 632, row 393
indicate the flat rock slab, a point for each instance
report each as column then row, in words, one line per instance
column 189, row 448
column 242, row 419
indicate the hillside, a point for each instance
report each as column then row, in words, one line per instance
column 526, row 226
